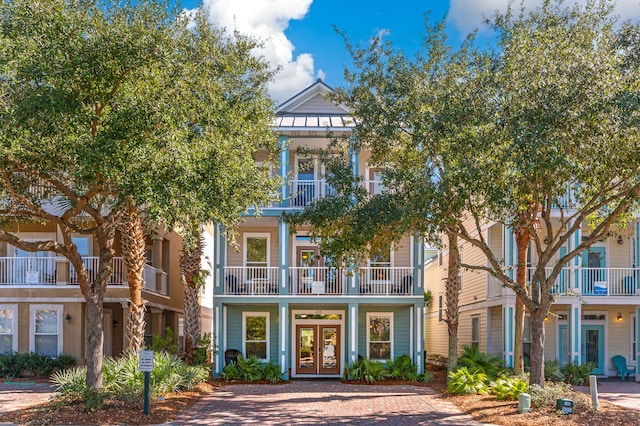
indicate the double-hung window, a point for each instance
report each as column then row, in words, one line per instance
column 46, row 329
column 380, row 335
column 475, row 331
column 255, row 334
column 8, row 331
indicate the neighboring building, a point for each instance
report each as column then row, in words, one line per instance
column 596, row 315
column 42, row 309
column 277, row 298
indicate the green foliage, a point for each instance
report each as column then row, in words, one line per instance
column 402, row 368
column 577, row 374
column 370, row 371
column 474, row 360
column 252, row 370
column 124, row 381
column 552, row 371
column 32, row 364
column 464, row 382
column 168, row 343
column 366, row 370
column 508, row 388
column 202, row 350
column 545, row 397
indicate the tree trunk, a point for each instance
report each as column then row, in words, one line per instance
column 134, row 253
column 191, row 322
column 523, row 237
column 536, row 371
column 95, row 341
column 191, row 265
column 452, row 291
column 135, row 326
column 95, row 299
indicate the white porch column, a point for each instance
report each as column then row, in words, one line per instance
column 284, row 338
column 284, row 169
column 574, row 332
column 283, row 256
column 637, row 343
column 352, row 333
column 508, row 323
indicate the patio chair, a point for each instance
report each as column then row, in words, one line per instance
column 620, row 363
column 231, row 356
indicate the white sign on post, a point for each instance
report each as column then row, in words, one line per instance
column 146, row 361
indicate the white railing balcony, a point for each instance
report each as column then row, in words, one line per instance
column 32, row 270
column 28, row 271
column 251, row 280
column 316, row 280
column 154, row 279
column 386, row 280
column 495, row 288
column 610, row 281
column 304, row 192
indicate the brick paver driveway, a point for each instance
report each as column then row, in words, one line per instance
column 324, row 402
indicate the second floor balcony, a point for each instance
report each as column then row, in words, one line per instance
column 589, row 282
column 52, row 271
column 318, row 281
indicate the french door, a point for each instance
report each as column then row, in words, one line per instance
column 318, row 349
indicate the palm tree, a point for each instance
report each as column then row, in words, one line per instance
column 192, row 276
column 134, row 254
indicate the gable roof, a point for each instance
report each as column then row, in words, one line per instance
column 311, row 110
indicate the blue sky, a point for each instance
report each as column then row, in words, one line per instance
column 300, row 39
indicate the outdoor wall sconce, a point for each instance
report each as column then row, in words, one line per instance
column 115, row 323
column 67, row 318
column 546, row 240
column 620, row 240
column 619, row 318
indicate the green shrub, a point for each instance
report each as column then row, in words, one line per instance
column 464, row 382
column 367, row 370
column 402, row 368
column 576, row 374
column 202, row 350
column 168, row 343
column 552, row 371
column 424, row 377
column 32, row 364
column 474, row 360
column 509, row 388
column 123, row 380
column 271, row 372
column 545, row 397
column 251, row 369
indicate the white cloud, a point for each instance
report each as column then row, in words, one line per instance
column 267, row 21
column 467, row 15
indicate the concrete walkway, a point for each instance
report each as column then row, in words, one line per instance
column 324, row 402
column 14, row 396
column 623, row 393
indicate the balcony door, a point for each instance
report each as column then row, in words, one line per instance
column 33, row 267
column 307, row 186
column 594, row 276
column 308, row 261
column 318, row 349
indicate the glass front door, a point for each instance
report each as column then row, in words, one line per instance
column 593, row 346
column 593, row 279
column 317, row 349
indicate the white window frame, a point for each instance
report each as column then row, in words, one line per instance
column 475, row 318
column 248, row 235
column 14, row 325
column 368, row 335
column 244, row 332
column 32, row 325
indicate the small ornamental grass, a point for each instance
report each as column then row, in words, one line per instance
column 123, row 380
column 371, row 371
column 252, row 370
column 465, row 382
column 545, row 397
column 509, row 388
